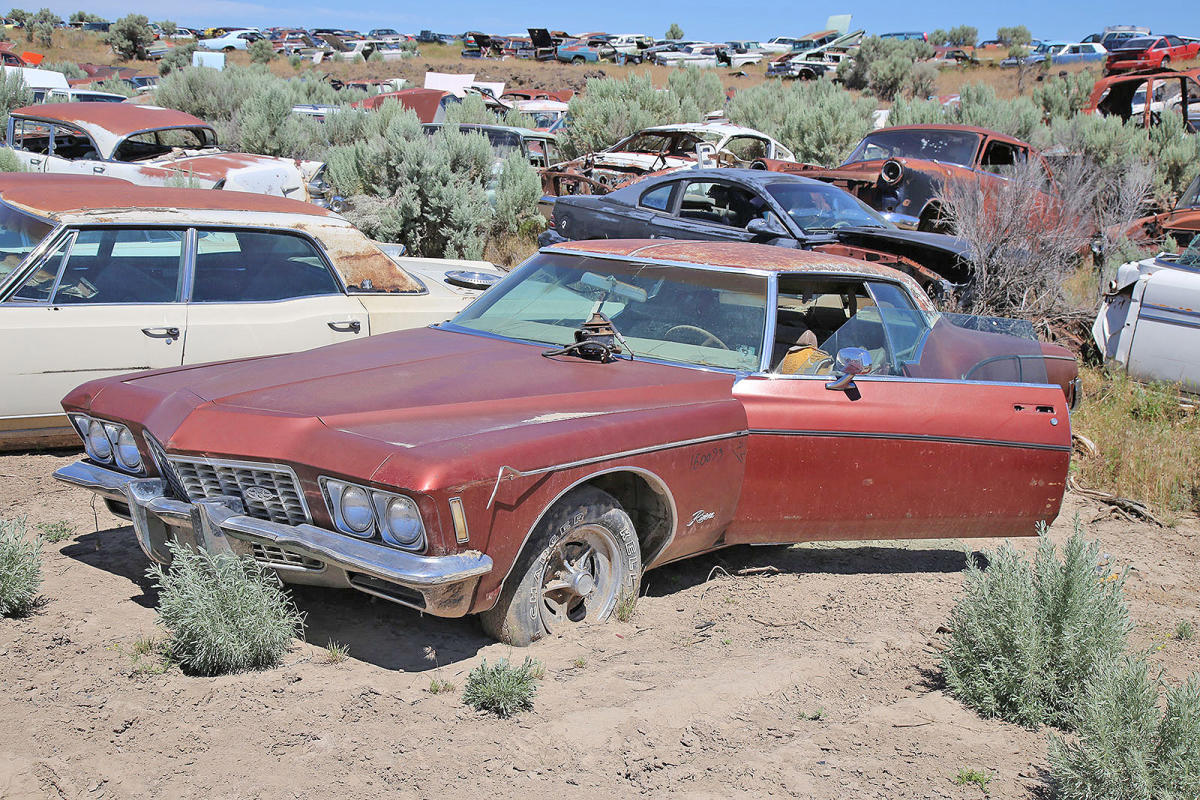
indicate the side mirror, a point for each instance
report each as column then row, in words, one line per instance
column 850, row 361
column 765, row 227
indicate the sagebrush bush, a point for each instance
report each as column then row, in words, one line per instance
column 13, row 94
column 130, row 36
column 1126, row 748
column 68, row 68
column 697, row 87
column 502, row 688
column 518, row 190
column 20, row 568
column 177, row 58
column 883, row 66
column 1062, row 97
column 261, row 51
column 1025, row 637
column 818, row 120
column 611, row 109
column 223, row 613
column 474, row 111
column 9, row 161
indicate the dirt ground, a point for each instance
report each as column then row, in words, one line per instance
column 817, row 680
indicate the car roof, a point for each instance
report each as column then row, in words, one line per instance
column 702, row 127
column 732, row 255
column 945, row 127
column 120, row 119
column 57, row 195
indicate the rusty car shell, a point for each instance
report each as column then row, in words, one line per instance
column 905, row 189
column 1143, row 97
column 1181, row 223
column 1149, row 319
column 99, row 138
column 52, row 347
column 484, row 429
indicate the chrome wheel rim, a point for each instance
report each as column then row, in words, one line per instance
column 582, row 579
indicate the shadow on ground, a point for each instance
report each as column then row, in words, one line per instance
column 116, row 551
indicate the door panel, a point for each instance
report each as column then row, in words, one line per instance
column 903, row 459
column 219, row 331
column 1166, row 336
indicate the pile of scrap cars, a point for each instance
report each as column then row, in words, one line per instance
column 707, row 319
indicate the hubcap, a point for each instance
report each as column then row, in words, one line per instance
column 582, row 579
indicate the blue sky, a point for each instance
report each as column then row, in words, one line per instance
column 708, row 19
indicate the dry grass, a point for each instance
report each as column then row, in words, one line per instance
column 1149, row 444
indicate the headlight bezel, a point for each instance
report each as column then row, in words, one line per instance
column 380, row 501
column 115, row 451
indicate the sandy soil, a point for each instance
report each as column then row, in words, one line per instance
column 709, row 691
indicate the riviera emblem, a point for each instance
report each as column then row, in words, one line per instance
column 260, row 494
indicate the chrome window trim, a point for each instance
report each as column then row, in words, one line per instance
column 259, row 465
column 17, row 277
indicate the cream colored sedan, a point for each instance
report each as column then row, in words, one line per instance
column 100, row 277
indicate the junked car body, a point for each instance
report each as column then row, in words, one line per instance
column 1149, row 324
column 899, row 170
column 101, row 277
column 1149, row 52
column 813, row 63
column 631, row 404
column 1145, row 97
column 1182, row 223
column 153, row 147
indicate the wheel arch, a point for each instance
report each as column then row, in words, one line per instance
column 641, row 493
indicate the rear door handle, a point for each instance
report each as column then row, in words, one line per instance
column 161, row 333
column 351, row 326
column 33, row 162
column 97, row 169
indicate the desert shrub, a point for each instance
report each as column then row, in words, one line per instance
column 9, row 161
column 261, row 51
column 1014, row 35
column 13, row 94
column 882, row 66
column 177, row 58
column 406, row 186
column 169, row 27
column 1025, row 637
column 978, row 105
column 1175, row 153
column 922, row 81
column 267, row 125
column 502, row 688
column 1127, row 749
column 223, row 613
column 518, row 189
column 295, row 61
column 817, row 120
column 1064, row 96
column 68, row 68
column 85, row 16
column 699, row 87
column 958, row 36
column 20, row 568
column 474, row 111
column 675, row 32
column 114, row 86
column 611, row 109
column 44, row 33
column 1148, row 446
column 130, row 36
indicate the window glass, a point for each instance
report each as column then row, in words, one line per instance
column 38, row 286
column 19, row 234
column 122, row 265
column 720, row 204
column 822, row 207
column 951, row 147
column 73, row 144
column 257, row 266
column 697, row 316
column 658, row 198
column 1001, row 157
column 817, row 317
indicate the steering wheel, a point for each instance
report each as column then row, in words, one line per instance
column 708, row 335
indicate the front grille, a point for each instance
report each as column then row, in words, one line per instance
column 278, row 557
column 164, row 469
column 268, row 491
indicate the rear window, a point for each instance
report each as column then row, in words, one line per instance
column 1141, row 43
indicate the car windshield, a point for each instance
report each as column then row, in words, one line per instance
column 1191, row 256
column 819, row 206
column 1141, row 43
column 19, row 234
column 947, row 146
column 695, row 316
column 1191, row 197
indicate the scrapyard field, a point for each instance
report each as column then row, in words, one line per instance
column 810, row 671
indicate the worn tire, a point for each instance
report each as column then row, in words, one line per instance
column 516, row 619
column 578, row 60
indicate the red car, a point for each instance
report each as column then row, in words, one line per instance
column 1150, row 52
column 609, row 407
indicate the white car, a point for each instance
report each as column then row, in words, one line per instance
column 631, row 43
column 707, row 56
column 99, row 277
column 234, row 40
column 155, row 147
column 1148, row 323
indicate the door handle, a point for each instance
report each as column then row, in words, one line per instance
column 351, row 326
column 33, row 162
column 98, row 169
column 161, row 333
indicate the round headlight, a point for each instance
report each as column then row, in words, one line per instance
column 98, row 443
column 356, row 510
column 127, row 450
column 403, row 522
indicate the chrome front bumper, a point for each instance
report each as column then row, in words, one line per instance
column 440, row 585
column 906, row 221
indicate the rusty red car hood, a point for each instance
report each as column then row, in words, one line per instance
column 429, row 396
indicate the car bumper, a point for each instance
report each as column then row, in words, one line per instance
column 906, row 221
column 439, row 585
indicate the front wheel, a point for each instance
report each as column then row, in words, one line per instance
column 582, row 560
column 578, row 60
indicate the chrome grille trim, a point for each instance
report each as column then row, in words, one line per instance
column 164, row 468
column 204, row 478
column 275, row 556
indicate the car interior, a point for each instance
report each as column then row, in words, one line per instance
column 720, row 203
column 256, row 266
column 111, row 265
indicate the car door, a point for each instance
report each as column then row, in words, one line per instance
column 709, row 210
column 72, row 151
column 1166, row 335
column 30, row 141
column 261, row 292
column 891, row 455
column 102, row 301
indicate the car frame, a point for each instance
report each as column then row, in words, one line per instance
column 536, row 493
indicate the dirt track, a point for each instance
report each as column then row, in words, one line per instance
column 707, row 692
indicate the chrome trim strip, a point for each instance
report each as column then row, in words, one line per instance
column 1182, row 323
column 773, row 376
column 913, row 437
column 765, row 273
column 583, row 462
column 1171, row 309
